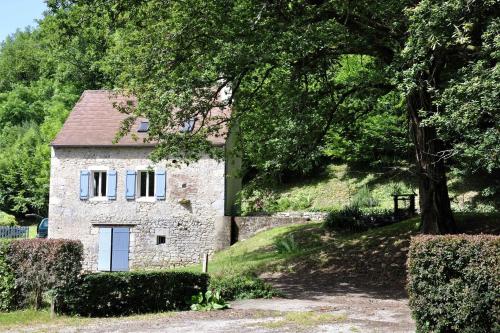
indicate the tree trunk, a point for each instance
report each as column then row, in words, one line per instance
column 435, row 208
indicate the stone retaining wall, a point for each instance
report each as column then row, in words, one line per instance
column 313, row 216
column 244, row 227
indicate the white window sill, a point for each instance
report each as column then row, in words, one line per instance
column 146, row 199
column 98, row 199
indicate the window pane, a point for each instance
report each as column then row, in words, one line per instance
column 103, row 183
column 96, row 184
column 143, row 176
column 151, row 184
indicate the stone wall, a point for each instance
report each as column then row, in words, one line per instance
column 245, row 227
column 190, row 229
column 313, row 216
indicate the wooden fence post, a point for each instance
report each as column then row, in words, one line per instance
column 205, row 263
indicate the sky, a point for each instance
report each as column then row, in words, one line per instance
column 16, row 14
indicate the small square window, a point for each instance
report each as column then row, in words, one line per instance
column 143, row 126
column 160, row 240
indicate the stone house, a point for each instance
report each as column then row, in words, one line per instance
column 129, row 212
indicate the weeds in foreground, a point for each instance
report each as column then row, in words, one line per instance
column 305, row 319
column 286, row 245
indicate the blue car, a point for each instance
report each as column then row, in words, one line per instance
column 43, row 229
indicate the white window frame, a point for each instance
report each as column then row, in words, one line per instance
column 92, row 185
column 148, row 195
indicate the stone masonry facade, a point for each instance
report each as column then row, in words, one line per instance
column 191, row 217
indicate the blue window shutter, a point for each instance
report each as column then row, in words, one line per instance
column 119, row 255
column 84, row 184
column 104, row 255
column 111, row 183
column 161, row 178
column 130, row 184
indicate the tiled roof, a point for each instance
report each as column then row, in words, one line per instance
column 94, row 121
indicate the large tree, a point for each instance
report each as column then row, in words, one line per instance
column 279, row 65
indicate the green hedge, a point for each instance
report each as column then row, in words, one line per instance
column 123, row 293
column 30, row 268
column 454, row 283
column 7, row 278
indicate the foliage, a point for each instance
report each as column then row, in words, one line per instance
column 292, row 71
column 34, row 101
column 240, row 286
column 208, row 301
column 377, row 138
column 7, row 278
column 363, row 198
column 459, row 40
column 337, row 186
column 347, row 219
column 123, row 293
column 7, row 219
column 454, row 283
column 354, row 219
column 40, row 266
column 304, row 80
column 286, row 245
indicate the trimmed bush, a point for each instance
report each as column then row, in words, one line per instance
column 354, row 219
column 7, row 278
column 124, row 293
column 241, row 287
column 454, row 283
column 7, row 220
column 39, row 266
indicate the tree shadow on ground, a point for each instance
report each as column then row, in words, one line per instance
column 371, row 264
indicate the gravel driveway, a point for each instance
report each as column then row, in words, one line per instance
column 350, row 312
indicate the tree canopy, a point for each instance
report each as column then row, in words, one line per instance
column 305, row 80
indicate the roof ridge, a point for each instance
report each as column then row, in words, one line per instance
column 99, row 90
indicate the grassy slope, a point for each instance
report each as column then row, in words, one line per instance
column 258, row 254
column 377, row 255
column 336, row 187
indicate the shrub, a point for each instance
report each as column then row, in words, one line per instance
column 355, row 219
column 347, row 219
column 7, row 220
column 208, row 301
column 454, row 283
column 364, row 198
column 124, row 293
column 40, row 266
column 6, row 278
column 231, row 287
column 286, row 245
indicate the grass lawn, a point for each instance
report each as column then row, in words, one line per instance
column 33, row 317
column 26, row 318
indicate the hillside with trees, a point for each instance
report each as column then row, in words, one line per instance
column 387, row 84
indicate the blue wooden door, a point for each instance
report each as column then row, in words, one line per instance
column 104, row 255
column 120, row 249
